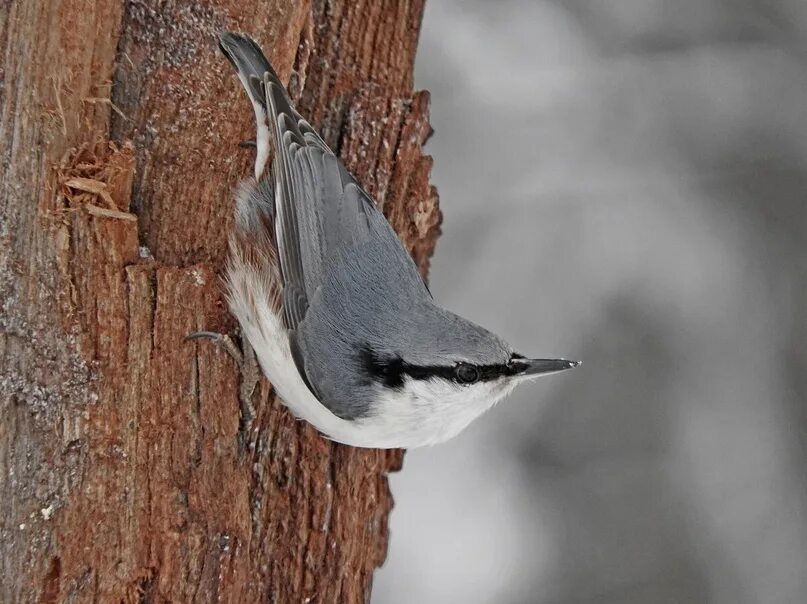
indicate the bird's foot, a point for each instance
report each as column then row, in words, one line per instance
column 250, row 143
column 220, row 339
column 250, row 376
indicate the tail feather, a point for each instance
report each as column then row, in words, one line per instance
column 251, row 65
column 249, row 61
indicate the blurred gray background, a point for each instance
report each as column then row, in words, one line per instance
column 624, row 182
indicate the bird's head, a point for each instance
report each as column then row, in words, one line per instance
column 446, row 375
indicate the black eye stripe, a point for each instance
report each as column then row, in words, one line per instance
column 391, row 370
column 387, row 370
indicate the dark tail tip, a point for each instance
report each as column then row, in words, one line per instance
column 245, row 54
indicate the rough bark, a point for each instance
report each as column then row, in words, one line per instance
column 121, row 473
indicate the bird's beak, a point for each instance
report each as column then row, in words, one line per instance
column 536, row 367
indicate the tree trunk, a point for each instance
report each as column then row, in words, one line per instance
column 122, row 476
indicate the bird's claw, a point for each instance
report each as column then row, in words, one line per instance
column 221, row 339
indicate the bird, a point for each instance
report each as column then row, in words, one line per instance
column 333, row 306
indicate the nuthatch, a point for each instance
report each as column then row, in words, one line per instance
column 339, row 318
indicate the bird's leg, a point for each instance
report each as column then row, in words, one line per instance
column 221, row 339
column 250, row 375
column 250, row 143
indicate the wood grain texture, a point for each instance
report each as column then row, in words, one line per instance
column 122, row 477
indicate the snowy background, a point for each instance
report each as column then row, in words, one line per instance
column 624, row 182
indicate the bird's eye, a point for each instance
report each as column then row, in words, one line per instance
column 467, row 374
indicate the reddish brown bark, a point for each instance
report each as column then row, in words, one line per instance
column 121, row 474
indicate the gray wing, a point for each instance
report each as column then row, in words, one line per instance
column 319, row 207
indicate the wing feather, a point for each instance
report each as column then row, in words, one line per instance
column 319, row 207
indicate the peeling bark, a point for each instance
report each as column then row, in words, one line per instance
column 121, row 473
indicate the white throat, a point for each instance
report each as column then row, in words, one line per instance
column 427, row 412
